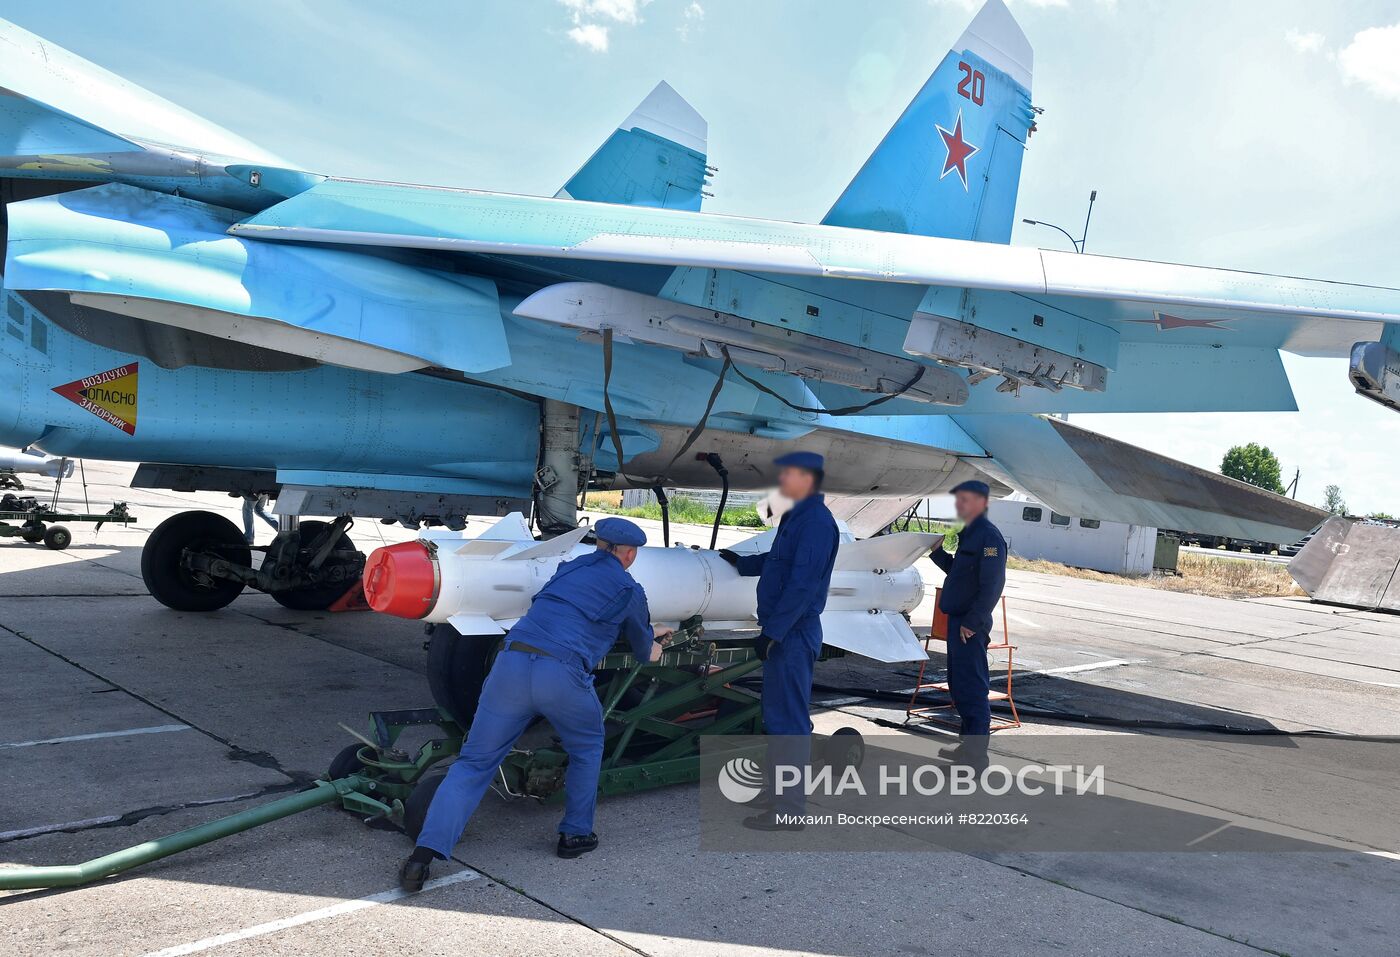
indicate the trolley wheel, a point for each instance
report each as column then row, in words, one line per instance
column 163, row 570
column 845, row 748
column 415, row 809
column 457, row 667
column 347, row 762
column 33, row 534
column 315, row 597
column 58, row 538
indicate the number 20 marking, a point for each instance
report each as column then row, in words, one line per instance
column 973, row 85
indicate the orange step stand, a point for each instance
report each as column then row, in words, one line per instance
column 934, row 712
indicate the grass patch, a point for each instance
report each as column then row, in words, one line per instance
column 684, row 511
column 1200, row 575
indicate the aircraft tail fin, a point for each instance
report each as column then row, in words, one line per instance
column 951, row 164
column 656, row 157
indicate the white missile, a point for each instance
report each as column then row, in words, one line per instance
column 16, row 461
column 484, row 585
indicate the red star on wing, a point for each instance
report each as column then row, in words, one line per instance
column 959, row 150
column 1164, row 322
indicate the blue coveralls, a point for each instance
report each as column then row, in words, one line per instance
column 793, row 578
column 976, row 575
column 574, row 620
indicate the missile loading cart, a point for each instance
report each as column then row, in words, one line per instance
column 655, row 715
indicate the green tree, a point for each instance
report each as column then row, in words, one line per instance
column 1386, row 516
column 1255, row 464
column 1333, row 501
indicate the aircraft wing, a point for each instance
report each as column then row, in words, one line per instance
column 1079, row 472
column 1120, row 298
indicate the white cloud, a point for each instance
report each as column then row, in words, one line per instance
column 619, row 11
column 593, row 36
column 588, row 32
column 691, row 19
column 1305, row 42
column 1372, row 59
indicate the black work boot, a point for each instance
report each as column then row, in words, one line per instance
column 768, row 821
column 574, row 845
column 415, row 870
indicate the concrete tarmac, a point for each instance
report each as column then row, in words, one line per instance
column 125, row 720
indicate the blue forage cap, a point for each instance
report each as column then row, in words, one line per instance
column 972, row 485
column 619, row 531
column 802, row 460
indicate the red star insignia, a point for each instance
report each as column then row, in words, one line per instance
column 1163, row 322
column 959, row 150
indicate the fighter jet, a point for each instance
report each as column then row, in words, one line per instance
column 178, row 297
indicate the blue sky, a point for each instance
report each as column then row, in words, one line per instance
column 1255, row 134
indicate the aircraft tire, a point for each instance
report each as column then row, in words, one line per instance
column 168, row 581
column 457, row 668
column 315, row 597
column 415, row 809
column 346, row 762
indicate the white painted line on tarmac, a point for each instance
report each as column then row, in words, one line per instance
column 1066, row 670
column 157, row 729
column 311, row 916
column 1022, row 621
column 1089, row 666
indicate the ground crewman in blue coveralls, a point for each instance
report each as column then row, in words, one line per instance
column 793, row 578
column 546, row 669
column 976, row 575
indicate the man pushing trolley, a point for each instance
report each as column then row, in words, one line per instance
column 545, row 669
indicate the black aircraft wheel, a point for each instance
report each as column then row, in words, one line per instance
column 844, row 749
column 457, row 667
column 347, row 762
column 163, row 569
column 316, row 597
column 58, row 538
column 415, row 809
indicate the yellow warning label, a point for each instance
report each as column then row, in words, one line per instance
column 110, row 395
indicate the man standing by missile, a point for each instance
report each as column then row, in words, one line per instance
column 545, row 669
column 793, row 578
column 976, row 575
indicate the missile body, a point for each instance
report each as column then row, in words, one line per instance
column 483, row 585
column 17, row 461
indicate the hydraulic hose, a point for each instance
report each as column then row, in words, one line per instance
column 73, row 875
column 717, row 464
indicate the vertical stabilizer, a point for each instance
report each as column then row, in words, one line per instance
column 951, row 165
column 655, row 158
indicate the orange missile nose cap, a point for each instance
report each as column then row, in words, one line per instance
column 401, row 580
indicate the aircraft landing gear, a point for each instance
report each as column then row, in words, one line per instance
column 199, row 561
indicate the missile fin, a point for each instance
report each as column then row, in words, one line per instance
column 760, row 543
column 512, row 528
column 882, row 636
column 475, row 625
column 484, row 548
column 555, row 546
column 890, row 552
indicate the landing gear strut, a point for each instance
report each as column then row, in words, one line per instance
column 199, row 561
